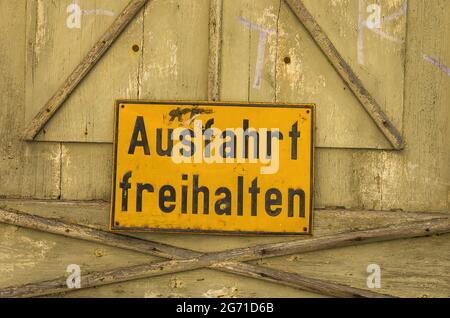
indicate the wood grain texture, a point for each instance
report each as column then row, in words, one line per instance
column 97, row 279
column 294, row 280
column 398, row 278
column 354, row 83
column 408, row 230
column 243, row 22
column 26, row 170
column 309, row 76
column 378, row 60
column 86, row 171
column 85, row 66
column 87, row 114
column 416, row 268
column 175, row 55
column 416, row 180
column 215, row 49
column 53, row 226
column 170, row 60
column 294, row 69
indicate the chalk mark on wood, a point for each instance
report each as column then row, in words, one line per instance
column 263, row 34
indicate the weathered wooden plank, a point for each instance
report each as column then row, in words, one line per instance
column 87, row 114
column 299, row 281
column 25, row 170
column 268, row 56
column 132, row 71
column 249, row 50
column 97, row 279
column 338, row 165
column 354, row 83
column 57, row 227
column 175, row 51
column 304, row 73
column 327, row 222
column 334, row 265
column 376, row 53
column 126, row 274
column 194, row 284
column 426, row 228
column 424, row 167
column 417, row 179
column 416, row 268
column 167, row 251
column 29, row 255
column 85, row 66
column 86, row 171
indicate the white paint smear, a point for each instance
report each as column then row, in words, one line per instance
column 263, row 33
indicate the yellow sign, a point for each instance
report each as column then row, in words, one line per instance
column 213, row 167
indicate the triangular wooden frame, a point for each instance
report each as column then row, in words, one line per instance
column 298, row 8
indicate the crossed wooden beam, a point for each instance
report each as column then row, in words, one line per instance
column 215, row 39
column 228, row 261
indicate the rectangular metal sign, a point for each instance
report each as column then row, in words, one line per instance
column 213, row 167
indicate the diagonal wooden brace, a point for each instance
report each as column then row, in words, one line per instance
column 189, row 260
column 127, row 15
column 79, row 73
column 161, row 250
column 348, row 75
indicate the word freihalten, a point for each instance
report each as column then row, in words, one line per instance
column 214, row 146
